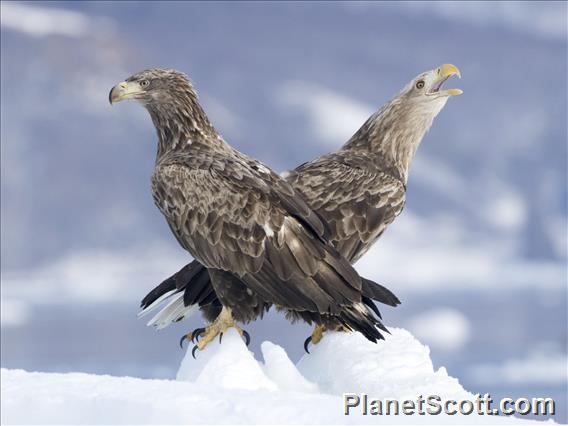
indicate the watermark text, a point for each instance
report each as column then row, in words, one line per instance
column 434, row 405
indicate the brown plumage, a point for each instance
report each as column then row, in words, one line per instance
column 357, row 191
column 241, row 220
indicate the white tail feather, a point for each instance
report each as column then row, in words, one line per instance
column 172, row 312
column 156, row 303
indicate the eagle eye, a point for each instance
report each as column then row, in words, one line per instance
column 144, row 83
column 420, row 84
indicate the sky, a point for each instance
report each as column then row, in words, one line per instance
column 478, row 256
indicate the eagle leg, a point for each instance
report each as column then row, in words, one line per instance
column 317, row 334
column 315, row 338
column 221, row 324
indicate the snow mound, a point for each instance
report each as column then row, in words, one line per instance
column 230, row 365
column 399, row 368
column 226, row 384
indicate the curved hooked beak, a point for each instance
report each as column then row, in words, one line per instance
column 442, row 73
column 124, row 90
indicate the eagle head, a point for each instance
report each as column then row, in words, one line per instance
column 425, row 91
column 153, row 86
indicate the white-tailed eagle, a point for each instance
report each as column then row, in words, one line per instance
column 357, row 191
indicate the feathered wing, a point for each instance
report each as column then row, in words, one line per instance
column 356, row 196
column 238, row 217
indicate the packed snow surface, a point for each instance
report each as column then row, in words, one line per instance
column 226, row 384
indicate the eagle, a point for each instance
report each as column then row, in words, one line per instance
column 242, row 221
column 357, row 191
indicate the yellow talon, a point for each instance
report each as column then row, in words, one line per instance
column 221, row 324
column 317, row 334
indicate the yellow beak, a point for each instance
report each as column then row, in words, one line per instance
column 446, row 71
column 123, row 90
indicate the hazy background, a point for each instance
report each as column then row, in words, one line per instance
column 478, row 257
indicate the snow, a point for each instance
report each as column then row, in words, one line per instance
column 400, row 369
column 226, row 384
column 234, row 367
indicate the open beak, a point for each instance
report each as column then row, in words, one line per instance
column 442, row 73
column 124, row 90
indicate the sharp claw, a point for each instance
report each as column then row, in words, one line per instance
column 196, row 333
column 181, row 340
column 193, row 351
column 306, row 344
column 220, row 337
column 247, row 337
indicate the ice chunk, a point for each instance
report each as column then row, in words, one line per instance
column 282, row 371
column 229, row 365
column 398, row 367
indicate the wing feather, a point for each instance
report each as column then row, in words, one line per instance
column 282, row 253
column 358, row 198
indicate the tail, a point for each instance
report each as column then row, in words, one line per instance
column 365, row 317
column 334, row 296
column 371, row 291
column 359, row 317
column 191, row 287
column 379, row 293
column 184, row 291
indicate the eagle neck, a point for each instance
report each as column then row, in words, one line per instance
column 179, row 127
column 393, row 135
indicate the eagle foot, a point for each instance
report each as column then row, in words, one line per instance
column 315, row 338
column 204, row 336
column 194, row 335
column 317, row 334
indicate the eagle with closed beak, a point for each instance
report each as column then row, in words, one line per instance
column 242, row 221
column 358, row 191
